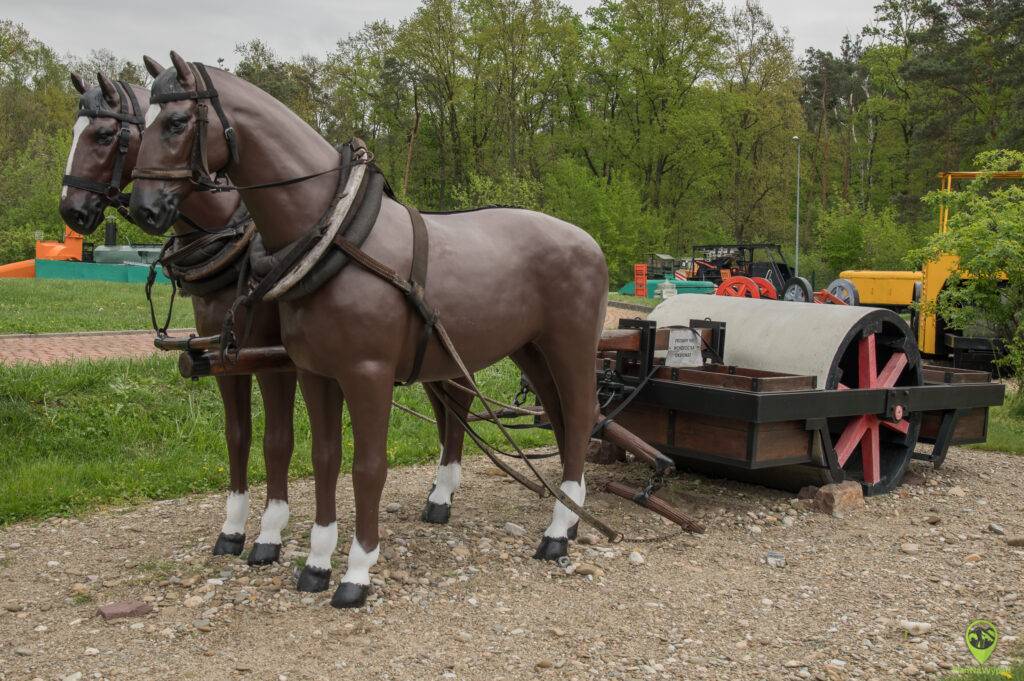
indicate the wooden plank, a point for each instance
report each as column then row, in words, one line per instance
column 934, row 373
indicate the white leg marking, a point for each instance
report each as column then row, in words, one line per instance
column 237, row 513
column 360, row 562
column 445, row 483
column 81, row 123
column 563, row 518
column 275, row 519
column 151, row 113
column 322, row 542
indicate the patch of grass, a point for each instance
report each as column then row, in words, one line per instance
column 79, row 435
column 1014, row 673
column 54, row 306
column 1005, row 428
column 81, row 599
column 636, row 300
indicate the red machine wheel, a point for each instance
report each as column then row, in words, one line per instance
column 765, row 288
column 739, row 287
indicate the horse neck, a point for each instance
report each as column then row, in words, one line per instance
column 275, row 144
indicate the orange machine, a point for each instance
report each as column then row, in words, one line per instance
column 69, row 249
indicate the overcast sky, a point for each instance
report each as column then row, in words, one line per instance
column 204, row 31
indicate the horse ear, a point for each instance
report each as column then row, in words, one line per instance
column 152, row 66
column 110, row 94
column 185, row 77
column 79, row 84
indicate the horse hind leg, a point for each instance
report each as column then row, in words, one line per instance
column 449, row 469
column 323, row 399
column 235, row 393
column 278, row 391
column 572, row 372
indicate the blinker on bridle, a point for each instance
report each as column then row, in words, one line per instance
column 111, row 191
column 198, row 169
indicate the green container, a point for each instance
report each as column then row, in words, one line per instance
column 67, row 269
column 682, row 286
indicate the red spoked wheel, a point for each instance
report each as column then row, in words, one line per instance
column 765, row 288
column 739, row 287
column 878, row 447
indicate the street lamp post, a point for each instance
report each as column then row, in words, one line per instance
column 796, row 138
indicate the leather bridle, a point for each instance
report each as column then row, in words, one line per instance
column 198, row 169
column 111, row 190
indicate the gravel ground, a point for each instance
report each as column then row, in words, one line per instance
column 466, row 600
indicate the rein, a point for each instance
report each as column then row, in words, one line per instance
column 111, row 190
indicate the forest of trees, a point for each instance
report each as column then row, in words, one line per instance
column 653, row 124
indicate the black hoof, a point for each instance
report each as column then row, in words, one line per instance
column 264, row 554
column 229, row 545
column 573, row 531
column 552, row 549
column 313, row 580
column 437, row 514
column 350, row 595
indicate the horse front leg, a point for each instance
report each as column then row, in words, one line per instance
column 324, row 399
column 278, row 391
column 452, row 434
column 235, row 392
column 369, row 394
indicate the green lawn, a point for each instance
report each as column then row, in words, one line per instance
column 622, row 298
column 1005, row 430
column 55, row 305
column 75, row 436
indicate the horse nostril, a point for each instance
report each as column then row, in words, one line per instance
column 78, row 216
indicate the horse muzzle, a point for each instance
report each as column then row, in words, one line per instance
column 153, row 210
column 81, row 211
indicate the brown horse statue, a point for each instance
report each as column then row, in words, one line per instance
column 360, row 330
column 107, row 134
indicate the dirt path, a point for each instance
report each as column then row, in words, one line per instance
column 49, row 348
column 466, row 601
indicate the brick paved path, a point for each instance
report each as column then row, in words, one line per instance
column 62, row 347
column 47, row 348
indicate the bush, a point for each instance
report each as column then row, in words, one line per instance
column 853, row 238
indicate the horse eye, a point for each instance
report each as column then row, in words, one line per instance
column 105, row 136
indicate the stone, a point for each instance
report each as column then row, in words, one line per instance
column 393, row 507
column 910, row 548
column 460, row 552
column 121, row 609
column 996, row 528
column 1016, row 540
column 514, row 530
column 544, row 664
column 589, row 539
column 76, row 676
column 957, row 492
column 972, row 558
column 636, row 558
column 464, row 636
column 808, row 492
column 915, row 628
column 91, row 652
column 14, row 606
column 23, row 651
column 933, row 520
column 930, row 668
column 775, row 559
column 839, row 498
column 586, row 569
column 203, row 625
column 193, row 601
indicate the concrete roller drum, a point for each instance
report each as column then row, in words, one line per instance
column 843, row 347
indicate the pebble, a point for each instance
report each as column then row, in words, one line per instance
column 915, row 628
column 957, row 492
column 585, row 569
column 775, row 559
column 636, row 558
column 460, row 552
column 77, row 676
column 930, row 668
column 23, row 651
column 588, row 539
column 996, row 528
column 193, row 601
column 910, row 670
column 203, row 625
column 910, row 548
column 393, row 507
column 91, row 652
column 464, row 636
column 972, row 558
column 14, row 607
column 544, row 664
column 1017, row 540
column 514, row 530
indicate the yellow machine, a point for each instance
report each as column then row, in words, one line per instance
column 900, row 290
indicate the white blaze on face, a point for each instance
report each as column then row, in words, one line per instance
column 81, row 123
column 359, row 563
column 445, row 484
column 275, row 519
column 151, row 113
column 323, row 539
column 237, row 513
column 563, row 518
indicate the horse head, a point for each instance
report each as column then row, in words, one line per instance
column 185, row 141
column 106, row 137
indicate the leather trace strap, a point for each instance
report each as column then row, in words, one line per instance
column 110, row 191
